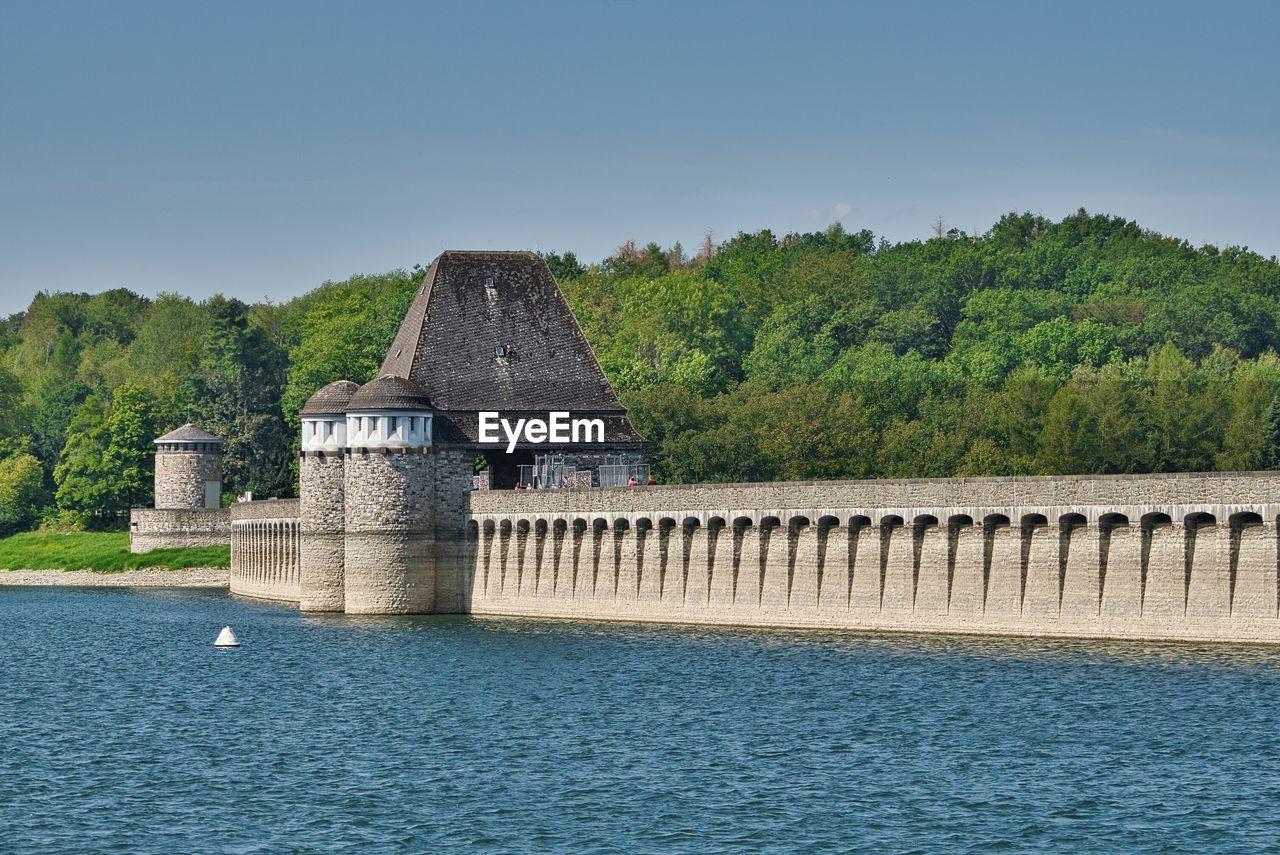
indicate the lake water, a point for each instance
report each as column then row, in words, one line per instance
column 122, row 729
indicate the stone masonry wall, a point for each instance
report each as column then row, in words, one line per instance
column 172, row 529
column 180, row 477
column 265, row 539
column 453, row 471
column 389, row 560
column 1158, row 557
column 1191, row 557
column 1091, row 493
column 323, row 509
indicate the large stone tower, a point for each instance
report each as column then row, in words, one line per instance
column 389, row 475
column 386, row 469
column 322, row 494
column 188, row 469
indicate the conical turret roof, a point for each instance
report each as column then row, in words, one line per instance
column 330, row 400
column 389, row 392
column 189, row 433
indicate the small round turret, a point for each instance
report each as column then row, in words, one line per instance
column 389, row 412
column 390, row 477
column 322, row 498
column 324, row 417
column 188, row 469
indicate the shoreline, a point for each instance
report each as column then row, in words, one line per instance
column 145, row 577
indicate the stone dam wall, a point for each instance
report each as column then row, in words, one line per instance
column 155, row 528
column 265, row 549
column 1176, row 557
column 1190, row 557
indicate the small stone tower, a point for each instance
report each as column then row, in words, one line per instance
column 188, row 469
column 322, row 497
column 390, row 478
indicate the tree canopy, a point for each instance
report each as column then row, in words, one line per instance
column 1088, row 345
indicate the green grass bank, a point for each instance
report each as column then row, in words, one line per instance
column 103, row 551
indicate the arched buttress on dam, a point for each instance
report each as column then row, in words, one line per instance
column 1173, row 572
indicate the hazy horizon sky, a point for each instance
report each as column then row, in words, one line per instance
column 258, row 149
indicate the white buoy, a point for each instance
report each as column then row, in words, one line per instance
column 226, row 638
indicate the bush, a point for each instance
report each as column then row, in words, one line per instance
column 64, row 520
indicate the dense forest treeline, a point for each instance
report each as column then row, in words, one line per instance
column 1083, row 346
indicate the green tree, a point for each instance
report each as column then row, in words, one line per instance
column 794, row 344
column 1119, row 412
column 811, row 432
column 1185, row 410
column 680, row 328
column 50, row 419
column 22, row 494
column 238, row 393
column 106, row 466
column 12, row 416
column 563, row 267
column 165, row 354
column 1017, row 415
column 1251, row 392
column 342, row 332
column 888, row 384
column 1059, row 346
column 1271, row 436
column 1068, row 440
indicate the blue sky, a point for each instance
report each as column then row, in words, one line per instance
column 258, row 149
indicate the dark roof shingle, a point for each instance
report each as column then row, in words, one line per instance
column 618, row 432
column 389, row 392
column 450, row 334
column 492, row 331
column 330, row 400
column 188, row 433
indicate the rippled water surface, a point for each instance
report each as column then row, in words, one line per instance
column 122, row 729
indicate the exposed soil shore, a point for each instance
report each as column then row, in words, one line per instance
column 146, row 577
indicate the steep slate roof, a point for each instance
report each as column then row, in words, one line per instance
column 188, row 433
column 448, row 338
column 617, row 429
column 389, row 392
column 330, row 400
